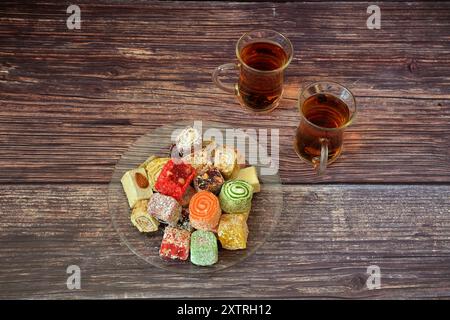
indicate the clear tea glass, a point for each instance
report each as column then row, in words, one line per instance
column 262, row 55
column 326, row 110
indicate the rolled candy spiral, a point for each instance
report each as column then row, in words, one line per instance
column 236, row 196
column 204, row 211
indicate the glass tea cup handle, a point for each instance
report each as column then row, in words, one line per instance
column 220, row 84
column 320, row 164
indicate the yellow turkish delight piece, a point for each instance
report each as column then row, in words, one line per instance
column 250, row 176
column 233, row 231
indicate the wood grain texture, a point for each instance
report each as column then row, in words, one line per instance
column 393, row 140
column 326, row 239
column 73, row 101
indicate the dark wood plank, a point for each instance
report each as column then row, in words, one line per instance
column 73, row 101
column 158, row 43
column 326, row 238
column 393, row 140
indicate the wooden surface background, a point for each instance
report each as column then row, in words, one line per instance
column 73, row 101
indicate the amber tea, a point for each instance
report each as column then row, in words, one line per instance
column 263, row 56
column 323, row 111
column 259, row 90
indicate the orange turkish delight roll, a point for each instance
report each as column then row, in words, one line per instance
column 204, row 211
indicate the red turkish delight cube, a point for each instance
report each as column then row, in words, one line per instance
column 174, row 179
column 175, row 244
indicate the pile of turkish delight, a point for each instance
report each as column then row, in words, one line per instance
column 202, row 198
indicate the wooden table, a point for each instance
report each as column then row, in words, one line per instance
column 73, row 101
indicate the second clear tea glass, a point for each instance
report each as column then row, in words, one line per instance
column 316, row 144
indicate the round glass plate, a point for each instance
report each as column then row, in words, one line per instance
column 266, row 205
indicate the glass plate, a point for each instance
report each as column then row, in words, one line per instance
column 266, row 205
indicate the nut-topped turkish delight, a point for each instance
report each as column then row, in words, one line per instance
column 202, row 157
column 225, row 159
column 175, row 244
column 174, row 179
column 188, row 140
column 164, row 208
column 210, row 179
column 136, row 186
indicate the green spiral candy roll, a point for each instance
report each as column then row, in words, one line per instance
column 236, row 196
